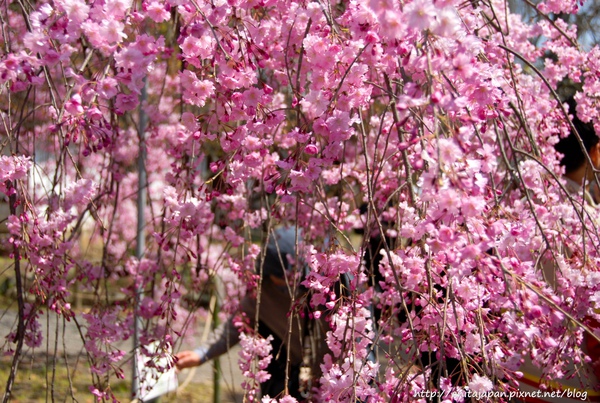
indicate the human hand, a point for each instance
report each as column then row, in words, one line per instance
column 187, row 359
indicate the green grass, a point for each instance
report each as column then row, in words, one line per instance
column 35, row 381
column 34, row 384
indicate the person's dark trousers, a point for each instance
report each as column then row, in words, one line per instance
column 275, row 385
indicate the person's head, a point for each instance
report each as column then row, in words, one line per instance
column 573, row 156
column 280, row 247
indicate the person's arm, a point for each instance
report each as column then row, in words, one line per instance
column 225, row 336
column 220, row 341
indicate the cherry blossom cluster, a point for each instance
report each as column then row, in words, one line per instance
column 255, row 357
column 428, row 124
column 350, row 368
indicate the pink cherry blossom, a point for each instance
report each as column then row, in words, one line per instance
column 411, row 143
column 157, row 12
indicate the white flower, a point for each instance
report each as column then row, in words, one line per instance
column 480, row 384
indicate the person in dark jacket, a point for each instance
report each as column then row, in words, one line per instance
column 274, row 320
